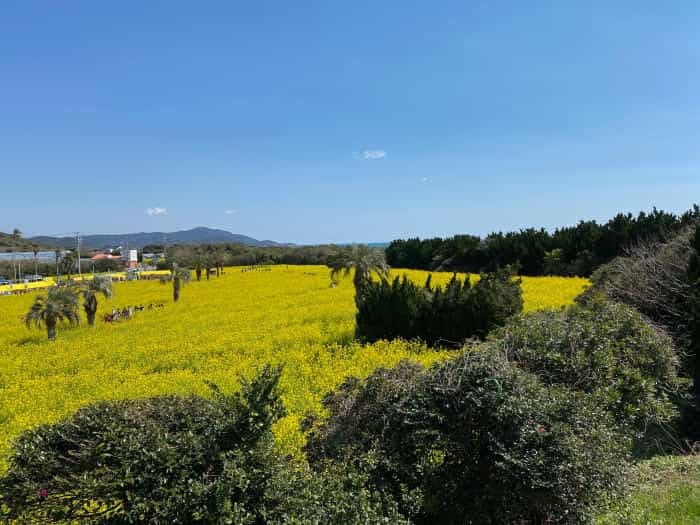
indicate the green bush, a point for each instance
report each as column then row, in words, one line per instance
column 438, row 316
column 182, row 460
column 337, row 494
column 145, row 460
column 477, row 309
column 605, row 349
column 475, row 440
column 391, row 310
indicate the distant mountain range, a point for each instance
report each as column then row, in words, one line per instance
column 199, row 235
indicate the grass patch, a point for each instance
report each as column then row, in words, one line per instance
column 666, row 491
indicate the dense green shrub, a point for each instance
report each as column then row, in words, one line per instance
column 605, row 349
column 336, row 494
column 474, row 310
column 451, row 315
column 177, row 459
column 391, row 310
column 475, row 440
column 143, row 460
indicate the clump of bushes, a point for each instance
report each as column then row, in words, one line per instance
column 173, row 459
column 449, row 315
column 605, row 349
column 475, row 440
column 390, row 310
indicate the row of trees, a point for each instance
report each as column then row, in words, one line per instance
column 574, row 250
column 229, row 254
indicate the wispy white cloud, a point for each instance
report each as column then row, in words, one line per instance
column 424, row 179
column 156, row 211
column 373, row 154
column 231, row 212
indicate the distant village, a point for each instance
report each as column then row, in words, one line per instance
column 22, row 268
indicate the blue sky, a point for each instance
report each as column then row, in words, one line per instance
column 355, row 121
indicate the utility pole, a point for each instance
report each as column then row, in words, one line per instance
column 77, row 242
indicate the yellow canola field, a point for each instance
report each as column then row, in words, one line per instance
column 219, row 330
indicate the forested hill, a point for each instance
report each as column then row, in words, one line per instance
column 571, row 250
column 14, row 242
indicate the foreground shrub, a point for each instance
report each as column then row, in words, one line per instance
column 141, row 460
column 605, row 349
column 475, row 440
column 177, row 459
column 438, row 316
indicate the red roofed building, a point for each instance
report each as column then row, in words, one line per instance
column 102, row 256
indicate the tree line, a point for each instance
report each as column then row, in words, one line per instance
column 570, row 250
column 231, row 254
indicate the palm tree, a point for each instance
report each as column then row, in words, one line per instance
column 219, row 261
column 67, row 263
column 59, row 304
column 364, row 260
column 100, row 284
column 179, row 277
column 197, row 260
column 198, row 268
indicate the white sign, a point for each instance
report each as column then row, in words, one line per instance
column 132, row 256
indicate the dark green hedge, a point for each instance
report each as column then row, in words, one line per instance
column 439, row 316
